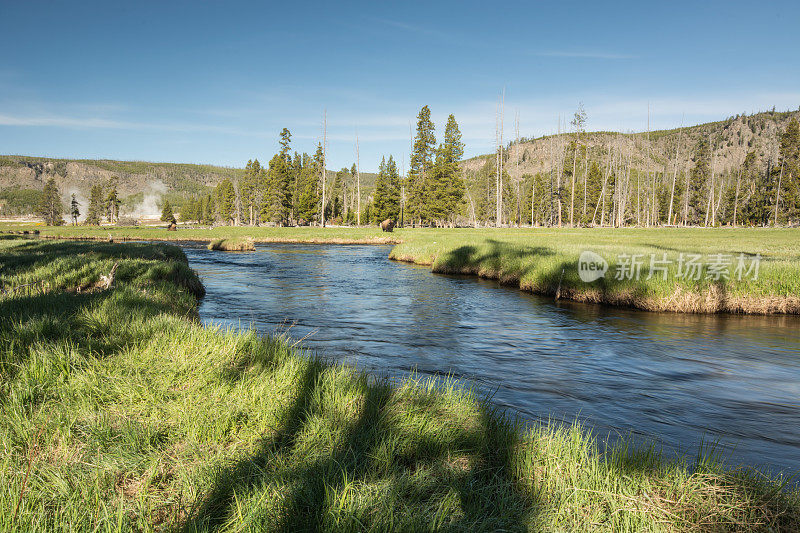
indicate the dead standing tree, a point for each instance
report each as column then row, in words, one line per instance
column 358, row 183
column 324, row 153
column 675, row 174
column 499, row 166
column 578, row 122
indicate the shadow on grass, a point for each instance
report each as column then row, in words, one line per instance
column 537, row 268
column 469, row 476
column 34, row 251
column 94, row 319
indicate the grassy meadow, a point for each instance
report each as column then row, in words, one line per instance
column 121, row 412
column 545, row 260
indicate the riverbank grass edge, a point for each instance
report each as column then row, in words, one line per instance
column 545, row 260
column 122, row 412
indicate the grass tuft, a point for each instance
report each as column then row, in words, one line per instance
column 241, row 244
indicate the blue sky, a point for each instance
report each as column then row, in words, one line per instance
column 214, row 82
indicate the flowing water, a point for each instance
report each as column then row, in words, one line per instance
column 677, row 379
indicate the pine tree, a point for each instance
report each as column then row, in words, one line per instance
column 251, row 190
column 698, row 184
column 447, row 190
column 315, row 177
column 199, row 210
column 762, row 199
column 277, row 206
column 188, row 210
column 419, row 174
column 386, row 200
column 594, row 182
column 297, row 177
column 225, row 201
column 353, row 193
column 166, row 213
column 335, row 210
column 73, row 210
column 51, row 207
column 112, row 204
column 209, row 210
column 392, row 197
column 535, row 200
column 308, row 186
column 95, row 206
column 285, row 142
column 790, row 161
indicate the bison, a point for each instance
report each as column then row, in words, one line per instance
column 387, row 225
column 172, row 226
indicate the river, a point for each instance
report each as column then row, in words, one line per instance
column 676, row 379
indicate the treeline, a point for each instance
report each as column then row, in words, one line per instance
column 618, row 180
column 104, row 204
column 15, row 201
column 605, row 186
column 289, row 190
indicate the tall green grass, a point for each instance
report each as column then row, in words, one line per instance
column 120, row 412
column 542, row 260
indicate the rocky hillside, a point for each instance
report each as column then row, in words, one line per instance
column 140, row 184
column 132, row 177
column 731, row 140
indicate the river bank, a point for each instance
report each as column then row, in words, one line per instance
column 685, row 270
column 122, row 411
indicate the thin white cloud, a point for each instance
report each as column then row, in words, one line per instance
column 584, row 55
column 74, row 122
column 64, row 122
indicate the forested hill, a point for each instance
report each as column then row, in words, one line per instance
column 132, row 177
column 22, row 178
column 649, row 163
column 731, row 138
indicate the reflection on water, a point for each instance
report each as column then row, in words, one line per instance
column 677, row 378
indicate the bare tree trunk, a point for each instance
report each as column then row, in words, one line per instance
column 574, row 168
column 710, row 207
column 778, row 194
column 358, row 183
column 638, row 204
column 472, row 207
column 402, row 188
column 237, row 203
column 500, row 166
column 559, row 164
column 647, row 168
column 674, row 177
column 686, row 197
column 736, row 200
column 721, row 190
column 625, row 193
column 550, row 182
column 324, row 153
column 517, row 180
column 585, row 185
column 603, row 194
column 497, row 165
